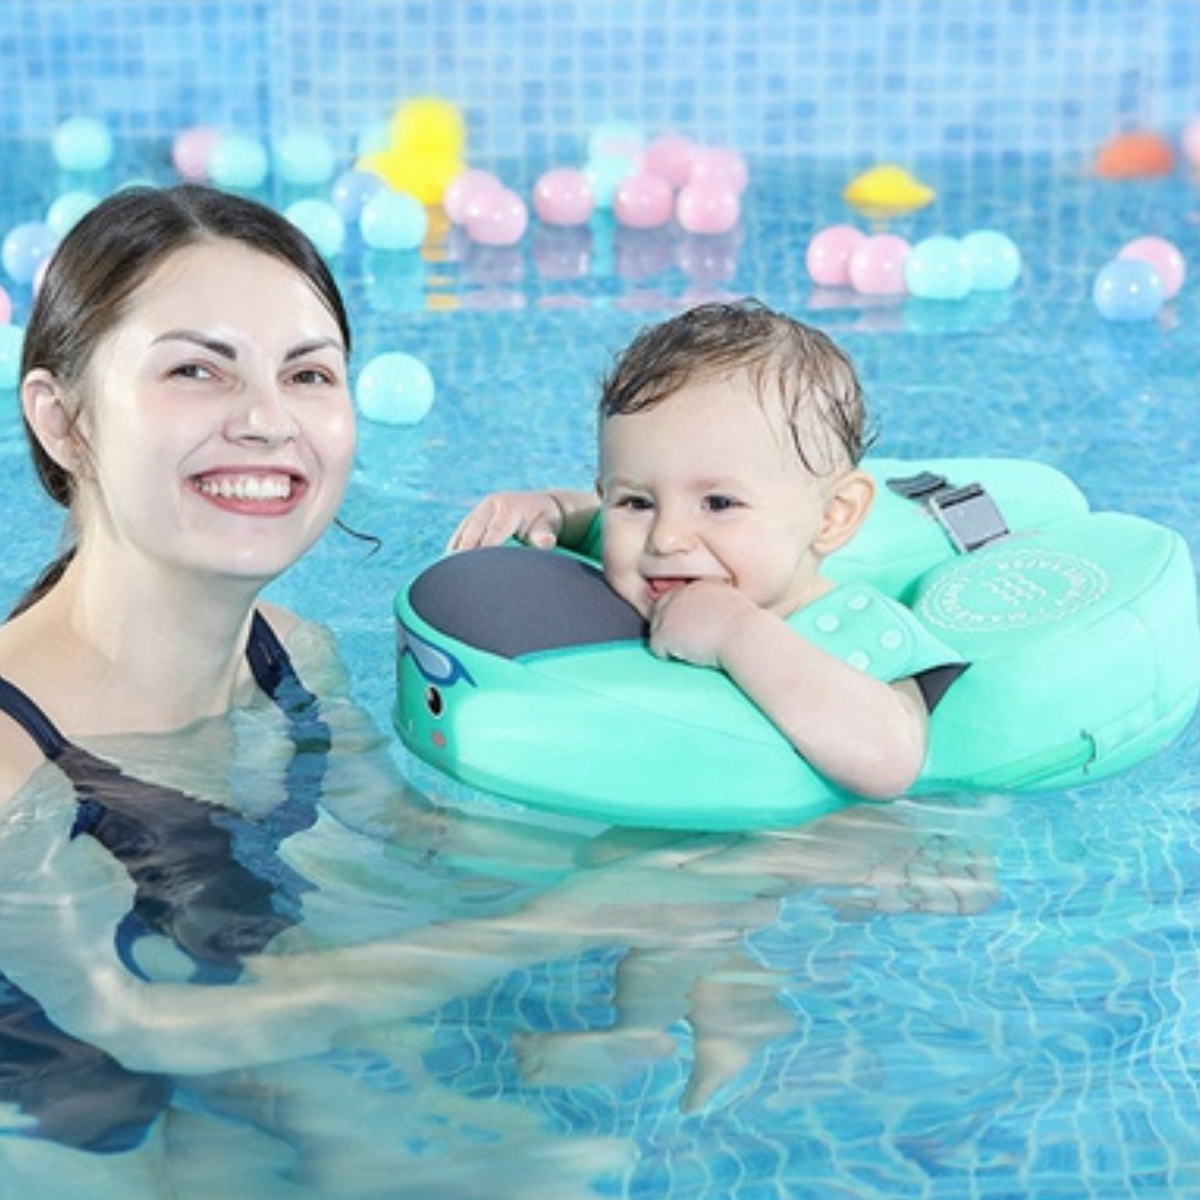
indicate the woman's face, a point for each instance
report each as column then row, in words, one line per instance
column 218, row 419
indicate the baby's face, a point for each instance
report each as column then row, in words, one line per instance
column 708, row 484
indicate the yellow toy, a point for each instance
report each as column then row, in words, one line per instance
column 886, row 191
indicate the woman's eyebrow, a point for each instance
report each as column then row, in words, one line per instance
column 225, row 349
column 316, row 344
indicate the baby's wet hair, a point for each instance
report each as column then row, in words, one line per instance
column 813, row 377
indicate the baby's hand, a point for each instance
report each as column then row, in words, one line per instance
column 693, row 622
column 531, row 517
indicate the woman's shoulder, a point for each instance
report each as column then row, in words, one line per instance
column 312, row 648
column 19, row 757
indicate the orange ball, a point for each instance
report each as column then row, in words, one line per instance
column 1135, row 155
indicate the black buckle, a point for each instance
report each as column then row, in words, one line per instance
column 967, row 514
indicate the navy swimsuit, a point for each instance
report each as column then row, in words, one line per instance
column 206, row 877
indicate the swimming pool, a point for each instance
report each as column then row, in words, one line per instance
column 965, row 996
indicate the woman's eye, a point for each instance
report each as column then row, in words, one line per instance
column 192, row 371
column 314, row 377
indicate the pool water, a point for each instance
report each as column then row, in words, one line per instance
column 959, row 996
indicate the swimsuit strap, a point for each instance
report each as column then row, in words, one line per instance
column 31, row 718
column 309, row 734
column 269, row 663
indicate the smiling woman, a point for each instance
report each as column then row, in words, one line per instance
column 185, row 392
column 184, row 388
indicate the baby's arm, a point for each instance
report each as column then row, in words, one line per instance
column 867, row 736
column 558, row 516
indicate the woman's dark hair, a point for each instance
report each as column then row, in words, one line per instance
column 101, row 264
column 810, row 372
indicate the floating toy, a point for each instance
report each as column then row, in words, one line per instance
column 939, row 268
column 395, row 389
column 321, row 223
column 425, row 148
column 82, row 144
column 669, row 156
column 1135, row 155
column 828, row 255
column 643, row 201
column 304, row 158
column 12, row 342
column 877, row 265
column 467, row 192
column 393, row 221
column 191, row 151
column 563, row 196
column 1163, row 256
column 886, row 191
column 238, row 161
column 1128, row 289
column 500, row 218
column 707, row 207
column 25, row 250
column 995, row 260
column 520, row 673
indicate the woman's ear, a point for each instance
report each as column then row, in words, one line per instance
column 846, row 507
column 46, row 411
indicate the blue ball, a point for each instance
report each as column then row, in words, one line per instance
column 82, row 144
column 304, row 158
column 395, row 389
column 238, row 161
column 938, row 268
column 66, row 209
column 322, row 224
column 995, row 260
column 12, row 339
column 393, row 221
column 352, row 190
column 26, row 247
column 1128, row 289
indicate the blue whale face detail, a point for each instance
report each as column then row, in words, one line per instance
column 438, row 667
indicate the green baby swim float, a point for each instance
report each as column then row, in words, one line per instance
column 521, row 674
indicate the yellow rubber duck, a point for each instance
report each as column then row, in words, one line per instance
column 887, row 190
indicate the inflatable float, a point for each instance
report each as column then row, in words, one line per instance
column 521, row 674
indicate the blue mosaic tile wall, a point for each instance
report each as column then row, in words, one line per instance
column 822, row 78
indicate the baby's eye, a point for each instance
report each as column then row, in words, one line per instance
column 720, row 503
column 635, row 503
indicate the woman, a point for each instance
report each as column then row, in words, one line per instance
column 173, row 798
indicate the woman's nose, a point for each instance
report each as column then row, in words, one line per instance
column 263, row 415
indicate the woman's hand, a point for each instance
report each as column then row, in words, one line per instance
column 539, row 519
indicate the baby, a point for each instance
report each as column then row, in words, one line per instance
column 730, row 438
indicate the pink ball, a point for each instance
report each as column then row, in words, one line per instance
column 467, row 192
column 720, row 164
column 828, row 255
column 563, row 196
column 670, row 158
column 1163, row 256
column 191, row 151
column 877, row 265
column 1191, row 141
column 501, row 220
column 644, row 201
column 707, row 207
